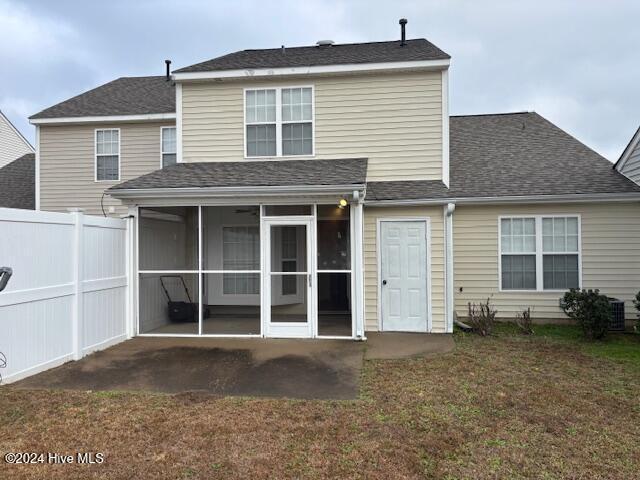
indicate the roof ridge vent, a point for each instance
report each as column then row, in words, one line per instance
column 325, row 43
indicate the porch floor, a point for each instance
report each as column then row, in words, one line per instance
column 328, row 325
column 320, row 369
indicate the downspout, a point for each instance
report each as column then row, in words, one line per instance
column 359, row 275
column 448, row 228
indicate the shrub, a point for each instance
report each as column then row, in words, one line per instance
column 590, row 309
column 524, row 322
column 636, row 303
column 482, row 317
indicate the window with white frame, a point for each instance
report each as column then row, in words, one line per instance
column 539, row 253
column 241, row 251
column 560, row 253
column 168, row 146
column 108, row 154
column 279, row 122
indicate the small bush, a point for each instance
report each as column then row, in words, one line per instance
column 590, row 309
column 482, row 317
column 524, row 322
column 636, row 303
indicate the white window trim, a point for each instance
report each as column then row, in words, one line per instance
column 279, row 121
column 95, row 154
column 539, row 254
column 162, row 152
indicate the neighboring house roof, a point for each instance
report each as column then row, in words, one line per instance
column 336, row 54
column 512, row 155
column 124, row 96
column 274, row 173
column 17, row 183
column 629, row 149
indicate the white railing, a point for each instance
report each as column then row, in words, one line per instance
column 68, row 294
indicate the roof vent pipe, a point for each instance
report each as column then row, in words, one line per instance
column 403, row 36
column 168, row 74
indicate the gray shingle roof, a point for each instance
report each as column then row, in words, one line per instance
column 124, row 96
column 337, row 54
column 515, row 154
column 406, row 190
column 17, row 183
column 253, row 174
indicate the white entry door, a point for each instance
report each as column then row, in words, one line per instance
column 403, row 275
column 289, row 279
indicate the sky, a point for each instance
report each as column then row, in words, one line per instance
column 575, row 62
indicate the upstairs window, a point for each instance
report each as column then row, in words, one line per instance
column 540, row 253
column 108, row 155
column 279, row 122
column 168, row 146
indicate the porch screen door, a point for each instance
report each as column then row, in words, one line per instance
column 288, row 280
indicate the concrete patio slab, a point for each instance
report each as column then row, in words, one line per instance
column 393, row 345
column 310, row 369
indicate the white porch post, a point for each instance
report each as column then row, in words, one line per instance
column 132, row 279
column 448, row 229
column 358, row 272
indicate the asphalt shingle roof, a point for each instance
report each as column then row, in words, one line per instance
column 516, row 154
column 337, row 54
column 271, row 173
column 17, row 183
column 124, row 96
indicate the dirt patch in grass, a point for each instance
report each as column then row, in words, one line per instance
column 501, row 407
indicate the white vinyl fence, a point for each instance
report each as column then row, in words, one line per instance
column 68, row 295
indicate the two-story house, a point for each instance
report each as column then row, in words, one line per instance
column 324, row 191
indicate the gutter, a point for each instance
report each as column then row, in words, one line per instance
column 150, row 117
column 572, row 198
column 224, row 192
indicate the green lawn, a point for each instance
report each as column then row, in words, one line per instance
column 624, row 347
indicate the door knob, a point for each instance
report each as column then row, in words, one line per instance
column 384, row 282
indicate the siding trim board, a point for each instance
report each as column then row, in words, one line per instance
column 311, row 70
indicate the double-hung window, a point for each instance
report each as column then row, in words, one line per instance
column 560, row 253
column 540, row 253
column 241, row 251
column 279, row 122
column 108, row 154
column 168, row 146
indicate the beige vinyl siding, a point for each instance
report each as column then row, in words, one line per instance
column 610, row 256
column 67, row 163
column 371, row 216
column 12, row 145
column 393, row 119
column 631, row 167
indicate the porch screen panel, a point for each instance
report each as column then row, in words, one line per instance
column 168, row 303
column 168, row 238
column 334, row 279
column 231, row 270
